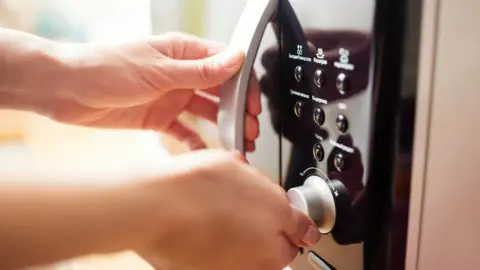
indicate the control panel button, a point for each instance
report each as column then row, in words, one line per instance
column 316, row 200
column 342, row 123
column 318, row 78
column 318, row 152
column 298, row 109
column 342, row 83
column 299, row 73
column 318, row 116
column 339, row 162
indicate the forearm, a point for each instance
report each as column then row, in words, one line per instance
column 45, row 223
column 28, row 66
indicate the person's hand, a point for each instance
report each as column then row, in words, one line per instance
column 218, row 213
column 147, row 84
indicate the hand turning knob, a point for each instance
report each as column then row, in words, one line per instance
column 316, row 199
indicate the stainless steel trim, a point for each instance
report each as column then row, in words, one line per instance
column 316, row 262
column 423, row 111
column 449, row 226
column 246, row 37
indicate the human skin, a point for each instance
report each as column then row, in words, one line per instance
column 206, row 209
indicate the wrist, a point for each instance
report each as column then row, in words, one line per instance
column 134, row 218
column 33, row 70
column 69, row 222
column 74, row 218
column 141, row 210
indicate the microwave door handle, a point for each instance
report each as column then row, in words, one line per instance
column 246, row 37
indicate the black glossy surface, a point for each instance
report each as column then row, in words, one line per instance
column 371, row 169
column 342, row 50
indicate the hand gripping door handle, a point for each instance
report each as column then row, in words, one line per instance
column 246, row 37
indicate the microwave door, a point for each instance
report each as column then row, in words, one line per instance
column 312, row 61
column 258, row 34
column 331, row 139
column 254, row 35
column 247, row 37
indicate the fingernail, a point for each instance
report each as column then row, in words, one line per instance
column 231, row 58
column 312, row 236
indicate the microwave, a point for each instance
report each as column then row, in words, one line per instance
column 346, row 124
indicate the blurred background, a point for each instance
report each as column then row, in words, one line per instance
column 29, row 141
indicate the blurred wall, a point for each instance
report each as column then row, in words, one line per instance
column 54, row 145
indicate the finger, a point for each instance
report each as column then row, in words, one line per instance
column 250, row 146
column 186, row 135
column 203, row 107
column 254, row 106
column 252, row 127
column 203, row 73
column 184, row 46
column 208, row 109
column 301, row 230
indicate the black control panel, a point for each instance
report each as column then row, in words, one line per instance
column 319, row 91
column 341, row 98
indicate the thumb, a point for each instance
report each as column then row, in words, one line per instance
column 301, row 230
column 206, row 72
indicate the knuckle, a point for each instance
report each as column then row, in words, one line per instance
column 178, row 44
column 204, row 72
column 174, row 35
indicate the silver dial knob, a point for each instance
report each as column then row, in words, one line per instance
column 315, row 198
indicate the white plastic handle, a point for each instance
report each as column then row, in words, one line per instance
column 247, row 37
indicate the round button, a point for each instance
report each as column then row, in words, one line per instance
column 318, row 152
column 339, row 162
column 316, row 200
column 319, row 116
column 299, row 73
column 298, row 109
column 342, row 83
column 342, row 123
column 318, row 78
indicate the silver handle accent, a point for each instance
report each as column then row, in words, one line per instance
column 246, row 37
